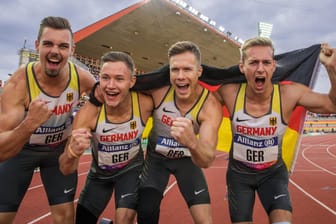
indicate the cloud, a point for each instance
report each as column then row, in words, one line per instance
column 296, row 23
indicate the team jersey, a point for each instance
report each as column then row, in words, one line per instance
column 58, row 127
column 257, row 140
column 163, row 117
column 117, row 144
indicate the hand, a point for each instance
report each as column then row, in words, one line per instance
column 183, row 131
column 80, row 141
column 38, row 113
column 328, row 56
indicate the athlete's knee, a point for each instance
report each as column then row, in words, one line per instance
column 280, row 216
column 85, row 216
column 63, row 213
column 201, row 213
column 149, row 206
column 125, row 215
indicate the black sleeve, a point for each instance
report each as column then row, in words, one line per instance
column 92, row 98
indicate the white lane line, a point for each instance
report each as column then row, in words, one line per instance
column 41, row 185
column 313, row 198
column 44, row 216
column 314, row 164
column 39, row 218
column 168, row 188
column 329, row 152
column 47, row 214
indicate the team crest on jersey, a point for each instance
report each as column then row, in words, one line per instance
column 273, row 121
column 133, row 125
column 69, row 97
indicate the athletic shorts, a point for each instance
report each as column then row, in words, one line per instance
column 271, row 186
column 17, row 172
column 190, row 178
column 97, row 192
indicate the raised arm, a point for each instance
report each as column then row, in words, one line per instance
column 313, row 101
column 16, row 127
column 328, row 59
column 80, row 138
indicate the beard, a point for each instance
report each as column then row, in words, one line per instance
column 52, row 73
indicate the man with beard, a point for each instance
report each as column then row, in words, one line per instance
column 37, row 103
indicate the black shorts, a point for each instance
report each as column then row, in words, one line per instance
column 97, row 191
column 190, row 178
column 271, row 186
column 16, row 175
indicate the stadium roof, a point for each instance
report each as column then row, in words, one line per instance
column 146, row 30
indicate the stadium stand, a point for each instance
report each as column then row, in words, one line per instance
column 148, row 41
column 319, row 123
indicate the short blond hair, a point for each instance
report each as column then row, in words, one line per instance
column 256, row 41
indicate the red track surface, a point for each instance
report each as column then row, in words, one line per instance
column 312, row 187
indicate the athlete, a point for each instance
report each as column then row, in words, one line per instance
column 36, row 115
column 114, row 130
column 183, row 110
column 259, row 112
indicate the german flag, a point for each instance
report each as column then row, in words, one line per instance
column 300, row 65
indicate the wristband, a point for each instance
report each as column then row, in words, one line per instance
column 92, row 98
column 72, row 152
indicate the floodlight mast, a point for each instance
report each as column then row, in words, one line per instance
column 265, row 29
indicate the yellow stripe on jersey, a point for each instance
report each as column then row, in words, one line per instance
column 275, row 100
column 240, row 97
column 197, row 108
column 170, row 96
column 74, row 78
column 225, row 132
column 135, row 105
column 34, row 89
column 101, row 117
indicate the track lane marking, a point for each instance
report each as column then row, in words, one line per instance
column 312, row 197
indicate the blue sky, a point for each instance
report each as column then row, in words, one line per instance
column 296, row 23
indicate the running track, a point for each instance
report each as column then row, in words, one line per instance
column 312, row 187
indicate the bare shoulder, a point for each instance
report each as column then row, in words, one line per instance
column 293, row 90
column 86, row 79
column 292, row 95
column 145, row 101
column 144, row 97
column 18, row 77
column 146, row 106
column 158, row 94
column 14, row 99
column 228, row 90
column 227, row 94
column 15, row 89
column 212, row 109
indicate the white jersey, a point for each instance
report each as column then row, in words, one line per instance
column 163, row 117
column 58, row 127
column 257, row 140
column 117, row 144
